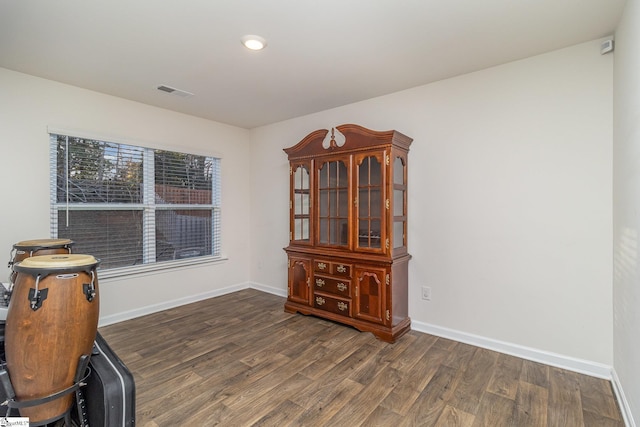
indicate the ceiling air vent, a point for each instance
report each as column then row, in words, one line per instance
column 174, row 91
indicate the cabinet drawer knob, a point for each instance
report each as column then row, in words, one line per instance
column 320, row 300
column 341, row 287
column 319, row 283
column 322, row 266
column 342, row 306
column 341, row 268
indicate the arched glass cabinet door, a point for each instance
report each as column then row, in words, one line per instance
column 333, row 202
column 399, row 203
column 300, row 204
column 370, row 204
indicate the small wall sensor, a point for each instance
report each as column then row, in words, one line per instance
column 606, row 46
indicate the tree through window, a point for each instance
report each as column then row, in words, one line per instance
column 129, row 205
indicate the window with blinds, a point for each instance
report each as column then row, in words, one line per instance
column 129, row 205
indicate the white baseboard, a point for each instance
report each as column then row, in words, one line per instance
column 622, row 401
column 548, row 358
column 268, row 289
column 149, row 309
column 142, row 311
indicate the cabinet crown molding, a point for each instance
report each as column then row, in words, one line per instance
column 356, row 138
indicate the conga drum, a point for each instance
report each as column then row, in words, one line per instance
column 52, row 321
column 29, row 248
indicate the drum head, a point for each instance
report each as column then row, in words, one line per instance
column 42, row 243
column 55, row 264
column 59, row 261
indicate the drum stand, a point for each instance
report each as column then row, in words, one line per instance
column 82, row 373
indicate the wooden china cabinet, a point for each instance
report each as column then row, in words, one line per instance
column 347, row 253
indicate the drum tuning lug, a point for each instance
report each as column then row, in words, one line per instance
column 37, row 297
column 89, row 290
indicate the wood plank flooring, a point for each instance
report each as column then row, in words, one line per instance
column 240, row 360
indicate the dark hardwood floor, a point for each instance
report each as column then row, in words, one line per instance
column 239, row 360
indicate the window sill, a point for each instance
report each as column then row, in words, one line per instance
column 159, row 267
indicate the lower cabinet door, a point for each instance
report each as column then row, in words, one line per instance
column 370, row 293
column 299, row 280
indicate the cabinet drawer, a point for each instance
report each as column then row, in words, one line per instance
column 332, row 285
column 321, row 266
column 334, row 305
column 333, row 268
column 343, row 270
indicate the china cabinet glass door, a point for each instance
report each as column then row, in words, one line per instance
column 399, row 203
column 333, row 203
column 370, row 205
column 301, row 208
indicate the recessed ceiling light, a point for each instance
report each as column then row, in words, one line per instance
column 254, row 42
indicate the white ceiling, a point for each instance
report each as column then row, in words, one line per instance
column 320, row 54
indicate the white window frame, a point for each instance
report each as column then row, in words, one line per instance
column 148, row 207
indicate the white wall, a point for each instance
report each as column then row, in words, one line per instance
column 626, row 198
column 509, row 199
column 28, row 105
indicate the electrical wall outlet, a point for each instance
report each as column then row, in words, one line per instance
column 426, row 293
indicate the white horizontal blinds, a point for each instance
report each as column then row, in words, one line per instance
column 130, row 205
column 149, row 197
column 184, row 206
column 53, row 184
column 217, row 208
column 99, row 199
